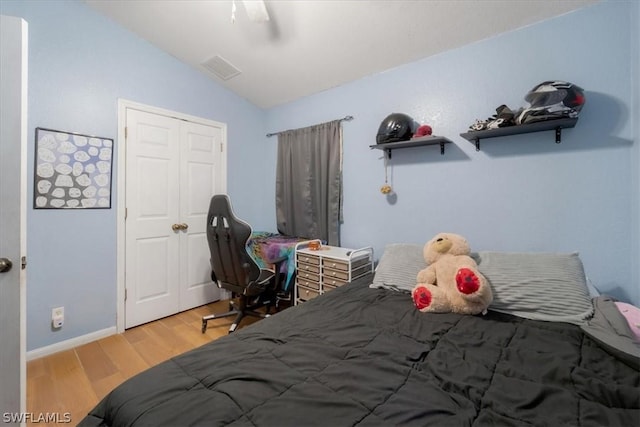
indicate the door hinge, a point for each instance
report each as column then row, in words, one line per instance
column 125, row 294
column 126, row 213
column 126, row 132
column 222, row 147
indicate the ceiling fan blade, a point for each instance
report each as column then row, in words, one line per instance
column 256, row 10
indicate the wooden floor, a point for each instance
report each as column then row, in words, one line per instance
column 70, row 383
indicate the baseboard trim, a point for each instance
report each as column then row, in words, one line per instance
column 70, row 343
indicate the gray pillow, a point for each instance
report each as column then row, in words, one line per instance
column 540, row 286
column 398, row 267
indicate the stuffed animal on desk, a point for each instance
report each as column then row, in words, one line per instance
column 451, row 282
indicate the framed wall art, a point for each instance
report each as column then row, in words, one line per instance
column 72, row 171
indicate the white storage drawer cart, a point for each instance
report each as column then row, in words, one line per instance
column 327, row 267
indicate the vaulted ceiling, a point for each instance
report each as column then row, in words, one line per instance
column 308, row 46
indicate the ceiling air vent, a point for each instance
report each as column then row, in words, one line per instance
column 221, row 68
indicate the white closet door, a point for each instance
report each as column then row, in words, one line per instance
column 173, row 169
column 201, row 175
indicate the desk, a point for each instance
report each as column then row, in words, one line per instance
column 264, row 246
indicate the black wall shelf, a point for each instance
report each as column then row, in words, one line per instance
column 557, row 125
column 415, row 142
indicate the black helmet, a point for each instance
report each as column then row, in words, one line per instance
column 395, row 127
column 552, row 100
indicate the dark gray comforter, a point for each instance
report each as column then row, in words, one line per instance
column 366, row 357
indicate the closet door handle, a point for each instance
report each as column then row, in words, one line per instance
column 184, row 226
column 5, row 265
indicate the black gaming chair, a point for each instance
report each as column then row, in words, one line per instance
column 234, row 269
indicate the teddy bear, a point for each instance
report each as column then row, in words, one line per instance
column 451, row 282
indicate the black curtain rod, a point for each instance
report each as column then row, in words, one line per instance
column 344, row 119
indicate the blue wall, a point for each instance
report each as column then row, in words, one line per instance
column 80, row 63
column 520, row 193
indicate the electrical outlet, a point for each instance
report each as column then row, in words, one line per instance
column 57, row 317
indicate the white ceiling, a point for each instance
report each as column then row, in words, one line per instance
column 309, row 46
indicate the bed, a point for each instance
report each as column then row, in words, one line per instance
column 363, row 355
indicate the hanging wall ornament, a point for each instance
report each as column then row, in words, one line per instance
column 386, row 188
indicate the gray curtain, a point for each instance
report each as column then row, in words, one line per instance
column 309, row 182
